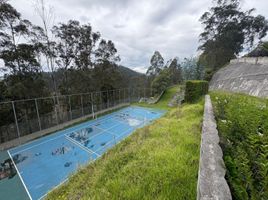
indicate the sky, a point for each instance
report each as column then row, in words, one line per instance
column 138, row 27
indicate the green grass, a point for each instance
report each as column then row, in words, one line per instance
column 163, row 102
column 242, row 122
column 159, row 161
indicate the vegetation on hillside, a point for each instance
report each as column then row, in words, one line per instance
column 260, row 51
column 159, row 161
column 243, row 129
column 161, row 75
column 164, row 100
column 227, row 31
column 194, row 90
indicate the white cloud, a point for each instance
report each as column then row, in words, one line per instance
column 138, row 28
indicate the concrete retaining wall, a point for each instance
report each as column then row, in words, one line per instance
column 211, row 182
column 250, row 60
column 243, row 75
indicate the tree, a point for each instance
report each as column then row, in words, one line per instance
column 20, row 58
column 66, row 48
column 106, row 53
column 86, row 45
column 157, row 64
column 175, row 72
column 260, row 51
column 192, row 69
column 227, row 31
column 161, row 82
column 47, row 18
column 105, row 73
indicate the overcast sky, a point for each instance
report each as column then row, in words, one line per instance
column 138, row 27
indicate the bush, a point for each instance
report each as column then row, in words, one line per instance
column 243, row 129
column 195, row 89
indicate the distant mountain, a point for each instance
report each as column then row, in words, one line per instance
column 128, row 78
column 132, row 78
column 128, row 72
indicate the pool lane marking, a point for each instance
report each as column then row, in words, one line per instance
column 81, row 146
column 19, row 175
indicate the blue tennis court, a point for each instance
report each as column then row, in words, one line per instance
column 47, row 162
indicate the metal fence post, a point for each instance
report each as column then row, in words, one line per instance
column 82, row 105
column 56, row 112
column 16, row 120
column 144, row 92
column 70, row 107
column 114, row 97
column 119, row 96
column 129, row 95
column 124, row 95
column 37, row 112
column 107, row 98
column 92, row 106
column 101, row 101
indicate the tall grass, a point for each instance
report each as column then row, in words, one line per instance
column 243, row 128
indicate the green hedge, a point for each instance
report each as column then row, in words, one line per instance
column 195, row 89
column 242, row 122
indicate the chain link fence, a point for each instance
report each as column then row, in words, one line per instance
column 23, row 117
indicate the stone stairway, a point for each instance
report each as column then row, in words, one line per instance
column 177, row 99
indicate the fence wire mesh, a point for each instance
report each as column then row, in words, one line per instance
column 24, row 117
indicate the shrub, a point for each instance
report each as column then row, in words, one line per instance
column 195, row 89
column 243, row 129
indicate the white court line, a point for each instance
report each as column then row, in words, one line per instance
column 102, row 130
column 38, row 144
column 81, row 146
column 19, row 175
column 83, row 125
column 91, row 161
column 88, row 150
column 116, row 136
column 53, row 188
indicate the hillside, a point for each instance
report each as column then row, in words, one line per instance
column 126, row 77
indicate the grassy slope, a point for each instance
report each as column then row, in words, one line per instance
column 163, row 103
column 242, row 122
column 159, row 161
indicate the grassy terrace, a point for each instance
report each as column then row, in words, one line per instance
column 159, row 161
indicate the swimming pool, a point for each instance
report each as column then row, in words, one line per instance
column 47, row 162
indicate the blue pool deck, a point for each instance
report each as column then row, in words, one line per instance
column 45, row 163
